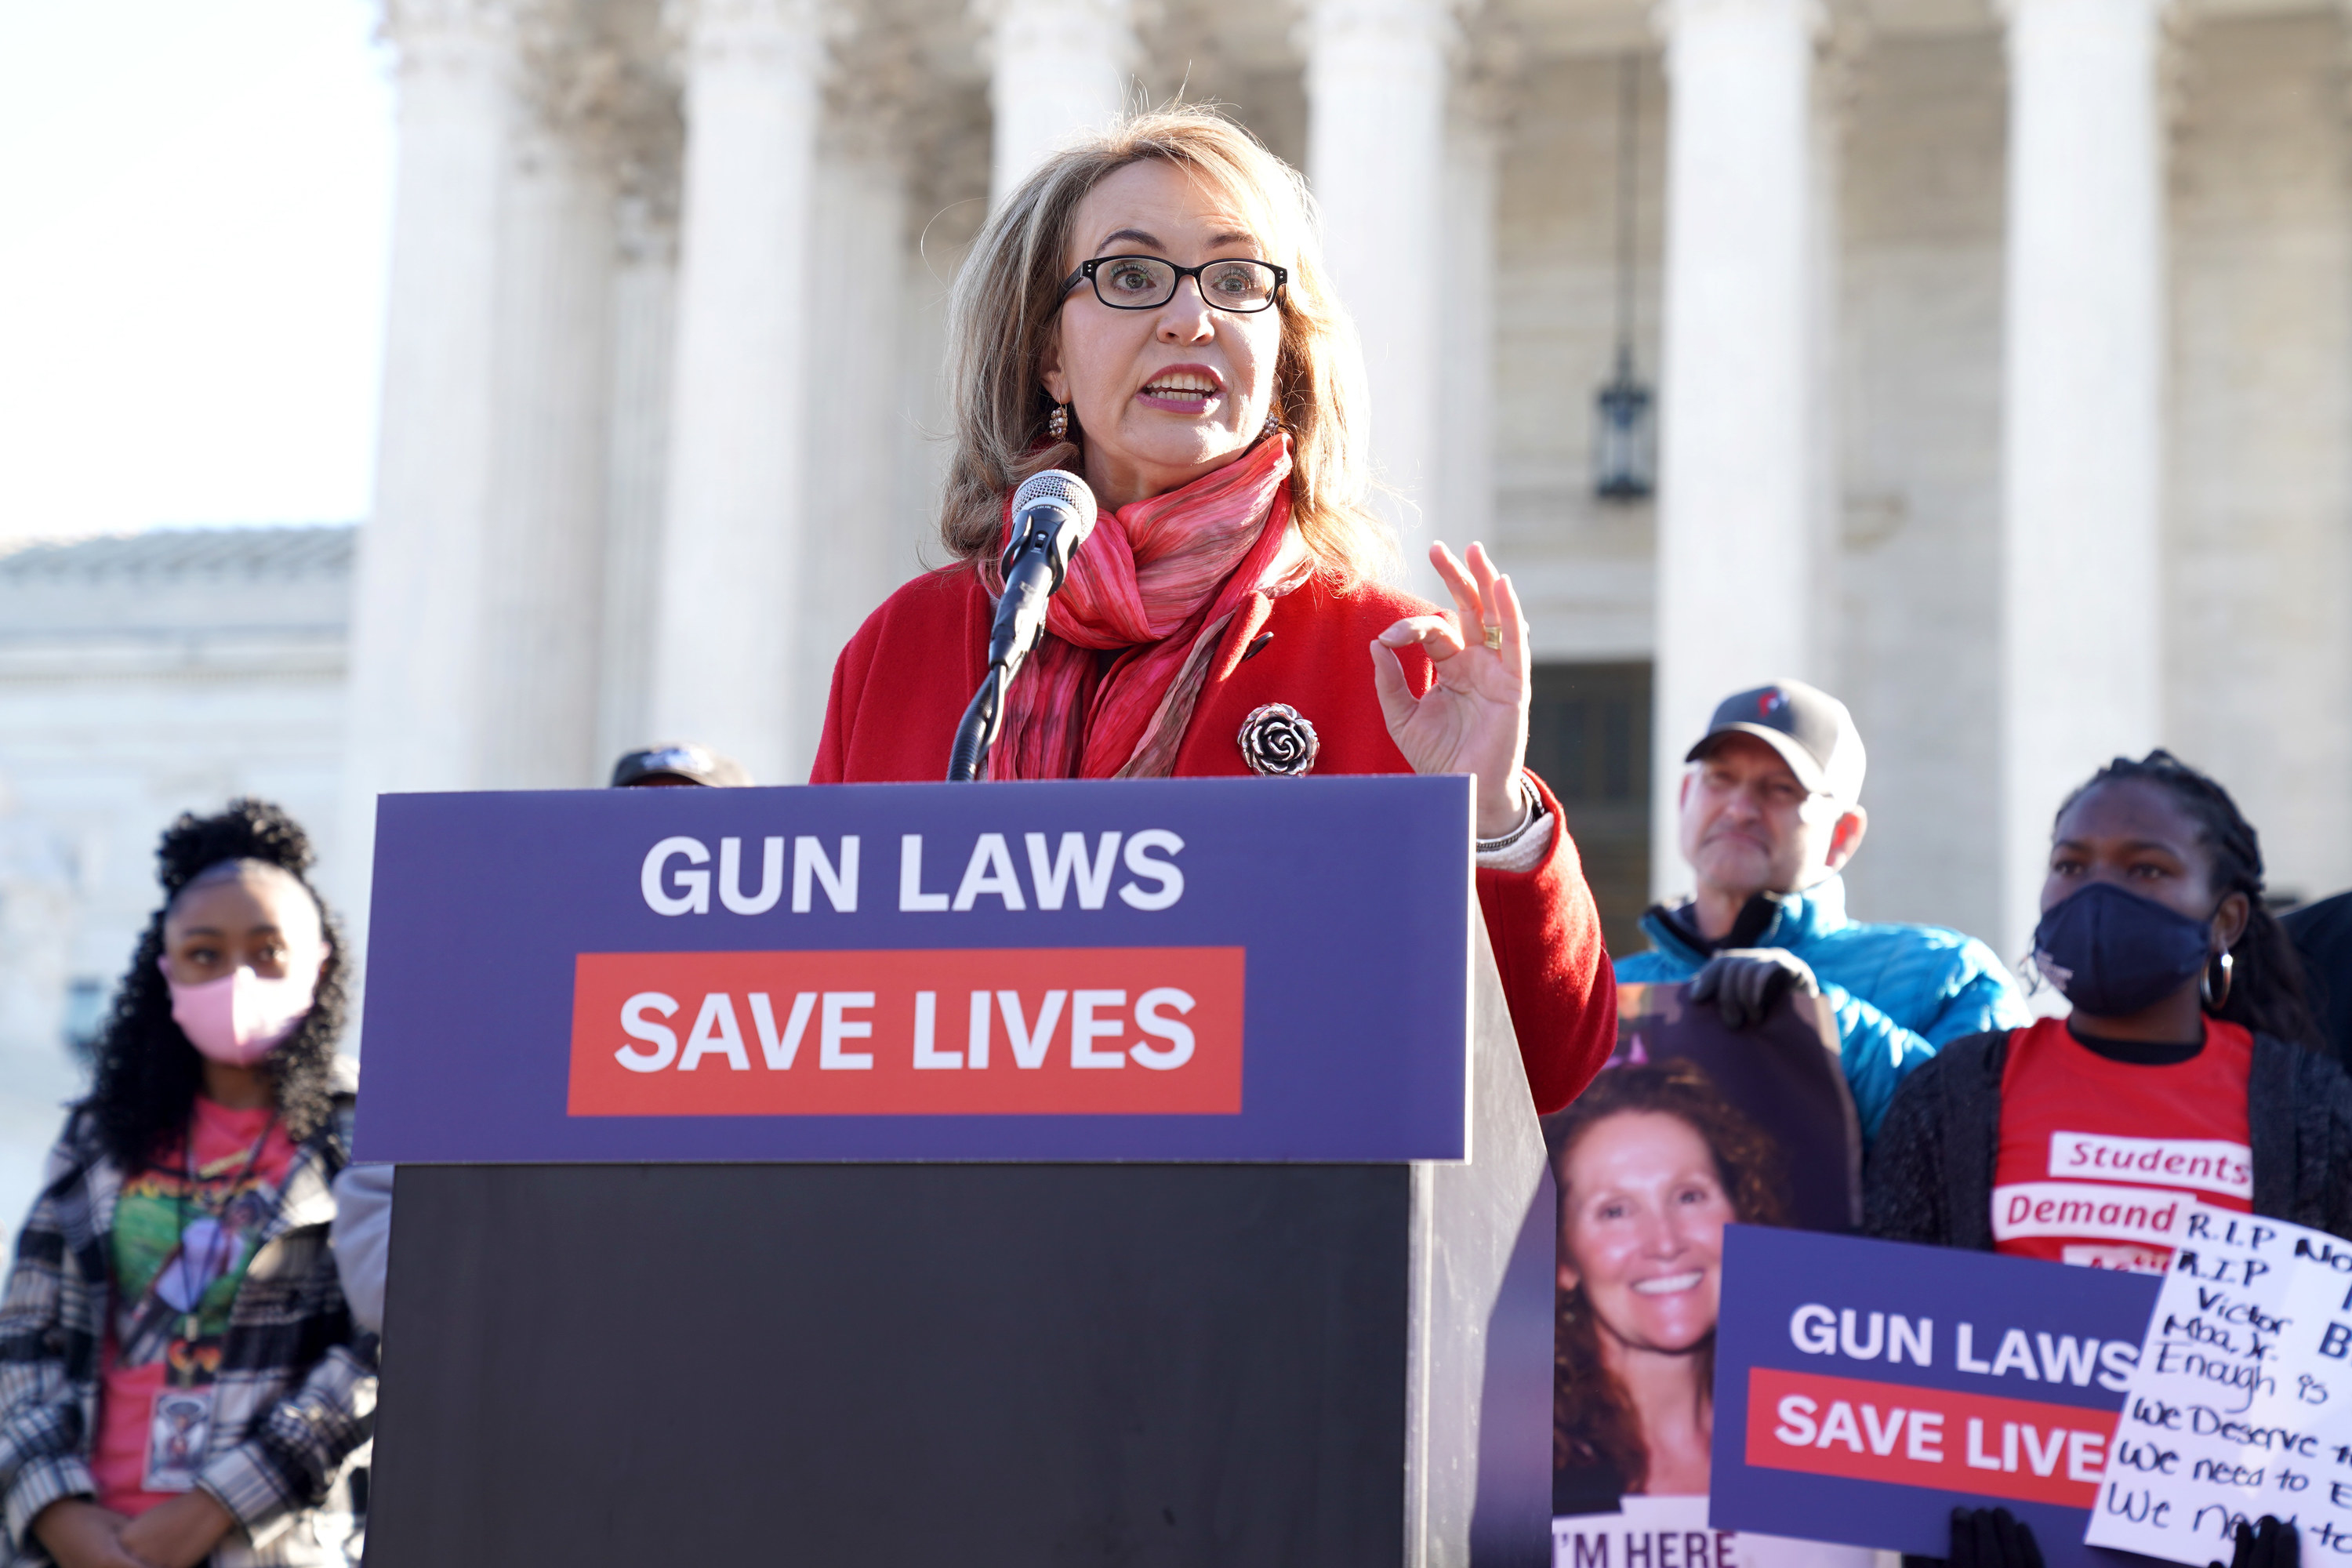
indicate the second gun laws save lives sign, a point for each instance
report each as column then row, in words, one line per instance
column 1182, row 969
column 1866, row 1388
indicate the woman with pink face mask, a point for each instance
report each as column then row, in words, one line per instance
column 180, row 1378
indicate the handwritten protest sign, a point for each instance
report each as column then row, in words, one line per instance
column 2241, row 1402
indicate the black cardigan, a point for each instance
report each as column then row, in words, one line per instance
column 1931, row 1171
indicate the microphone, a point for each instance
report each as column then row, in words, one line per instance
column 1053, row 513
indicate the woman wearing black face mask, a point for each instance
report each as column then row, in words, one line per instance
column 2185, row 1072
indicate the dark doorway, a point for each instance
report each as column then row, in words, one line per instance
column 1589, row 736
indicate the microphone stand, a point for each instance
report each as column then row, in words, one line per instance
column 1032, row 575
column 982, row 720
column 1053, row 513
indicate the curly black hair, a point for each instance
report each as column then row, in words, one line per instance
column 148, row 1074
column 2266, row 986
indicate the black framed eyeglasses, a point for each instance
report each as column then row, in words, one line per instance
column 1148, row 282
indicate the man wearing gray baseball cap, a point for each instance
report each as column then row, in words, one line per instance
column 1770, row 813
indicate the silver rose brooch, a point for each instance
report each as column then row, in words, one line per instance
column 1277, row 742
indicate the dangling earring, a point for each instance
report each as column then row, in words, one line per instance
column 2205, row 984
column 1273, row 423
column 1057, row 423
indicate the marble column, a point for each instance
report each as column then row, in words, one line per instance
column 1466, row 465
column 1466, row 412
column 644, row 338
column 417, row 597
column 856, row 283
column 542, row 567
column 1739, row 383
column 1838, row 63
column 1058, row 68
column 1377, row 81
column 2082, row 581
column 727, row 670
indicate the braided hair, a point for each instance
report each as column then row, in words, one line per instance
column 2267, row 988
column 148, row 1074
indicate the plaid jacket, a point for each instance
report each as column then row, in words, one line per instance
column 295, row 1392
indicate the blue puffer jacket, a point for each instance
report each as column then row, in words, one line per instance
column 1900, row 991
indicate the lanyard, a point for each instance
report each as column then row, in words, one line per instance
column 203, row 1254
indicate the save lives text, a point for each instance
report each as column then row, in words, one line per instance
column 1020, row 1031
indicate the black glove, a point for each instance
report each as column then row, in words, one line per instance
column 2269, row 1544
column 1991, row 1538
column 1745, row 983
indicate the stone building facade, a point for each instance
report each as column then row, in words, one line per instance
column 2003, row 359
column 142, row 677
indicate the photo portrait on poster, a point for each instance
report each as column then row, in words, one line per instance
column 1784, row 1074
column 1693, row 1126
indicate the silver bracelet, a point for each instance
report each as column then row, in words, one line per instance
column 1530, row 814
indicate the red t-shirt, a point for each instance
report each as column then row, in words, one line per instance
column 241, row 1161
column 2099, row 1157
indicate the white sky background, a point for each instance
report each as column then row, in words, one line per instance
column 194, row 218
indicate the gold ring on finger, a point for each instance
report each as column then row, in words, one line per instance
column 1493, row 638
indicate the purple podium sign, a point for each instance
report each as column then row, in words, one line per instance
column 1179, row 970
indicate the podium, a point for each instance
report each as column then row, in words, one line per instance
column 702, row 1251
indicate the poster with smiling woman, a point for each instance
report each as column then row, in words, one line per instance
column 1694, row 1126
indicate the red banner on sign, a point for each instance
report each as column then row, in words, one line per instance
column 1954, row 1442
column 938, row 1032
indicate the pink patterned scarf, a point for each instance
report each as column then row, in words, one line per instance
column 1158, row 582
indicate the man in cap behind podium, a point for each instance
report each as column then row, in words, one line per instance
column 1770, row 813
column 676, row 765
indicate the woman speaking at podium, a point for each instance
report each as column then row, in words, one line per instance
column 1148, row 310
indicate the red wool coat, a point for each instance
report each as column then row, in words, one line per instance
column 901, row 685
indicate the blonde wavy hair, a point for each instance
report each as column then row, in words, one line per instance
column 1007, row 303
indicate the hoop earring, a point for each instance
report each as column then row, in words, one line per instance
column 1057, row 423
column 2205, row 984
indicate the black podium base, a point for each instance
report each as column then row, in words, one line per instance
column 893, row 1364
